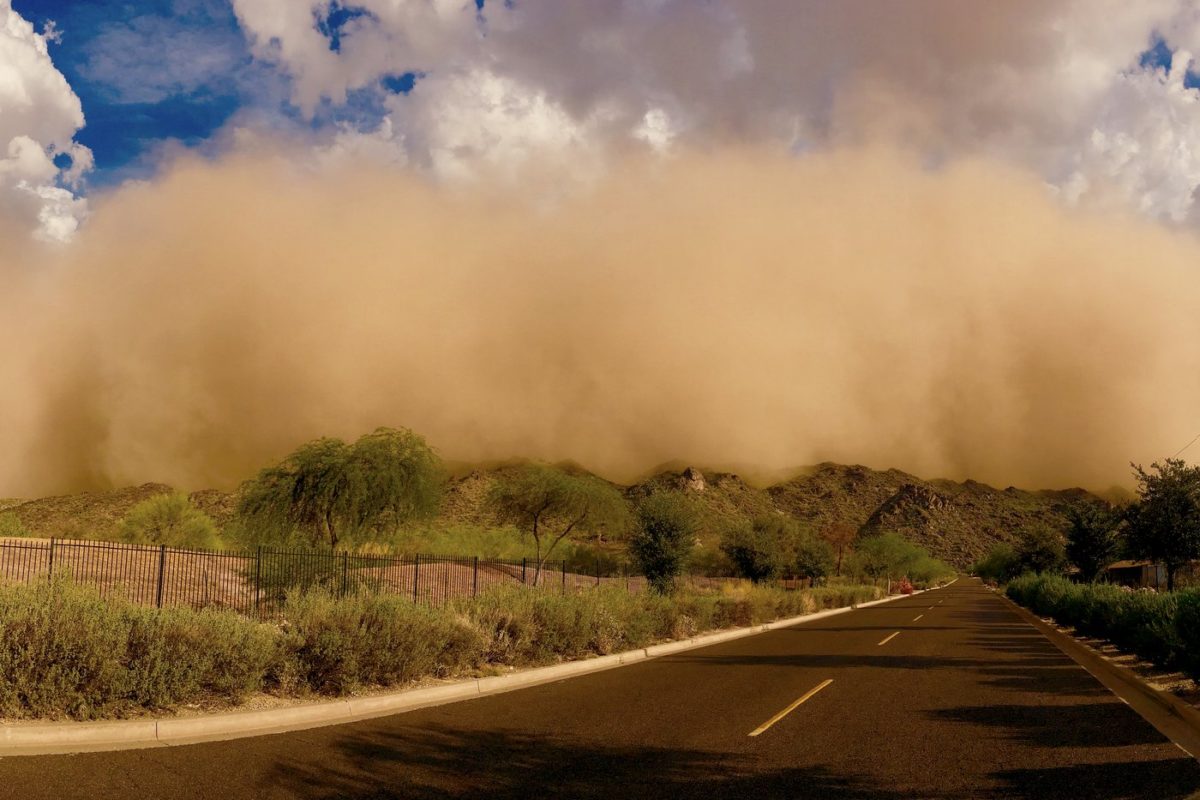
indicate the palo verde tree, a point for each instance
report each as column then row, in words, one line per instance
column 663, row 537
column 1092, row 540
column 1164, row 524
column 551, row 504
column 328, row 491
column 169, row 519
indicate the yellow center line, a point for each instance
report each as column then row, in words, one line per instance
column 917, row 617
column 791, row 708
column 889, row 638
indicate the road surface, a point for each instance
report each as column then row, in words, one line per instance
column 947, row 694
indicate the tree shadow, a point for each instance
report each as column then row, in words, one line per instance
column 1101, row 724
column 1169, row 779
column 440, row 763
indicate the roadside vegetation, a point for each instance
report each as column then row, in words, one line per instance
column 67, row 652
column 1160, row 627
column 1161, row 526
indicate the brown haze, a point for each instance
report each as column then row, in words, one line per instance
column 724, row 309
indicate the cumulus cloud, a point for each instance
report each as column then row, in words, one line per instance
column 39, row 115
column 1052, row 85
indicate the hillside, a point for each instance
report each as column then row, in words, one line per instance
column 956, row 522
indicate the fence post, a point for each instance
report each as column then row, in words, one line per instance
column 597, row 572
column 345, row 572
column 564, row 570
column 257, row 576
column 416, row 574
column 522, row 569
column 162, row 565
column 475, row 580
column 51, row 573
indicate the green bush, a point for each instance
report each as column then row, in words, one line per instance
column 336, row 645
column 169, row 519
column 11, row 526
column 65, row 651
column 1187, row 629
column 1146, row 623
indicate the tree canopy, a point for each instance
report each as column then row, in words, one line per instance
column 1093, row 540
column 327, row 491
column 1164, row 524
column 663, row 537
column 169, row 519
column 551, row 504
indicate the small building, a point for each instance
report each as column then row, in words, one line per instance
column 1138, row 574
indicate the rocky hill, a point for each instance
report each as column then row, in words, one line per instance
column 956, row 522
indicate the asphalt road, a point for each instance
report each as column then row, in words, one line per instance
column 962, row 700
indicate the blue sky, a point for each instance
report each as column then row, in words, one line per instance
column 150, row 72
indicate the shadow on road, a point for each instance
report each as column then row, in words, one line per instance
column 438, row 763
column 1102, row 724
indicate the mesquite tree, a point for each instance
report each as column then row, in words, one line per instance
column 327, row 490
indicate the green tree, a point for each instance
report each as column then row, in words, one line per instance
column 1164, row 524
column 169, row 519
column 814, row 556
column 761, row 549
column 1001, row 564
column 327, row 491
column 551, row 504
column 1092, row 539
column 886, row 555
column 1040, row 549
column 663, row 538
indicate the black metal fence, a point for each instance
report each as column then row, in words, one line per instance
column 255, row 583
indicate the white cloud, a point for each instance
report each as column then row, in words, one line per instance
column 39, row 115
column 1054, row 85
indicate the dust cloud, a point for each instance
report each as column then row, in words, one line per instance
column 727, row 308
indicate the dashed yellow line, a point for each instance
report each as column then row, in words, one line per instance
column 791, row 708
column 889, row 638
column 917, row 617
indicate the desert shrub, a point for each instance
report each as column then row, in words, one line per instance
column 65, row 651
column 169, row 519
column 176, row 655
column 11, row 526
column 335, row 645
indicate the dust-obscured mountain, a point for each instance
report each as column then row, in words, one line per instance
column 957, row 522
column 97, row 515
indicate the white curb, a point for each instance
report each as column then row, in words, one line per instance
column 74, row 737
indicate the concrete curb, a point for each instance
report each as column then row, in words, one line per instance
column 76, row 737
column 1175, row 719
